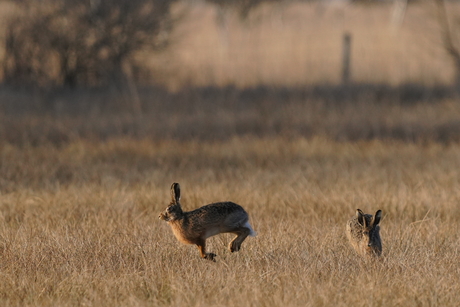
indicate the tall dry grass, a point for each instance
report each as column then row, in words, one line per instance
column 300, row 44
column 413, row 114
column 83, row 178
column 79, row 223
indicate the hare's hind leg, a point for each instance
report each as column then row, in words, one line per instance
column 201, row 243
column 241, row 233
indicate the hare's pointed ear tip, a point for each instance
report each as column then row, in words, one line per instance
column 175, row 192
column 377, row 217
column 175, row 187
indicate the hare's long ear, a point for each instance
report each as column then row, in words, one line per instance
column 175, row 192
column 377, row 217
column 360, row 216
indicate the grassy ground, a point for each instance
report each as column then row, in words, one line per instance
column 79, row 223
column 84, row 174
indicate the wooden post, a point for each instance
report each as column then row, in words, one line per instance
column 346, row 58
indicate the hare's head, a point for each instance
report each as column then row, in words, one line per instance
column 174, row 210
column 370, row 240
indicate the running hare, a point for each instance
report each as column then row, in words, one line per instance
column 363, row 231
column 194, row 227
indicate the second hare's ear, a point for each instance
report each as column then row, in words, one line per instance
column 360, row 216
column 175, row 192
column 377, row 217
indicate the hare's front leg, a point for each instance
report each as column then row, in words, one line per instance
column 241, row 233
column 201, row 243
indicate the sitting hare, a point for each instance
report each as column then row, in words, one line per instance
column 363, row 233
column 194, row 227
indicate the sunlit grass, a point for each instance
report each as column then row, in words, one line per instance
column 82, row 183
column 79, row 223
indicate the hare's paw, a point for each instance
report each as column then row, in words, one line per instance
column 210, row 256
column 234, row 246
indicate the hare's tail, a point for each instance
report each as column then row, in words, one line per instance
column 252, row 232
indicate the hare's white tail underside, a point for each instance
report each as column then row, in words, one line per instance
column 252, row 233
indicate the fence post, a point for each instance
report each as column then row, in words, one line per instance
column 346, row 51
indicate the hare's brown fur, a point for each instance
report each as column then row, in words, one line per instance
column 363, row 232
column 194, row 227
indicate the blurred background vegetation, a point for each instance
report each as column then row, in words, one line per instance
column 212, row 69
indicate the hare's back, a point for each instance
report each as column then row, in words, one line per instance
column 227, row 212
column 218, row 218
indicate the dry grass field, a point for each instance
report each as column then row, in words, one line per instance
column 85, row 173
column 79, row 223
